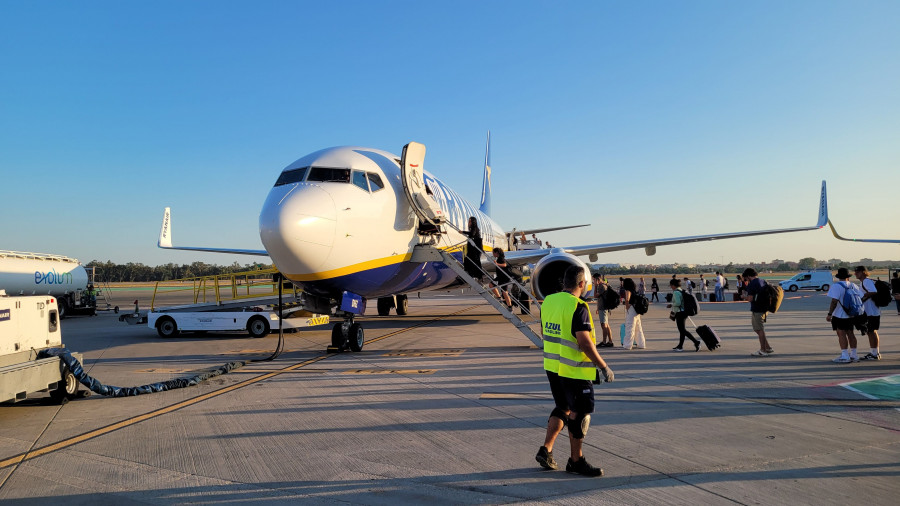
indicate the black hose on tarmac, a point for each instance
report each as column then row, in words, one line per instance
column 111, row 391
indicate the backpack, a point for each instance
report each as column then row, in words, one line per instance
column 774, row 294
column 851, row 302
column 610, row 299
column 882, row 295
column 689, row 303
column 641, row 303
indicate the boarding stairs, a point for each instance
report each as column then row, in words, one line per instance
column 430, row 253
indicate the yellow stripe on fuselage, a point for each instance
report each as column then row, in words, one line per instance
column 362, row 266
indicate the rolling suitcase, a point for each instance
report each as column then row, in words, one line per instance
column 712, row 297
column 735, row 297
column 708, row 336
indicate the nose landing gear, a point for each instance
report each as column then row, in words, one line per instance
column 346, row 335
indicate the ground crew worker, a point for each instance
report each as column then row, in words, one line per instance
column 570, row 349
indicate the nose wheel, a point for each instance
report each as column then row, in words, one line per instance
column 346, row 335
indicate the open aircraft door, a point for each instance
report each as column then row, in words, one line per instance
column 412, row 163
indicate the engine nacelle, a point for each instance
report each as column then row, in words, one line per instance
column 547, row 276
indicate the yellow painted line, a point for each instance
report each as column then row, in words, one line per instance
column 390, row 371
column 65, row 443
column 424, row 353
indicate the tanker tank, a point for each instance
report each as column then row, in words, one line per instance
column 24, row 273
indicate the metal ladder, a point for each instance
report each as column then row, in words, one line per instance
column 429, row 253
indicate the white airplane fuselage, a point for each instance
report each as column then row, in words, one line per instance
column 345, row 224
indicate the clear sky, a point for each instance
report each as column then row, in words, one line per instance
column 646, row 119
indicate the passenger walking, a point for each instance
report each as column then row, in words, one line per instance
column 740, row 286
column 641, row 286
column 687, row 286
column 501, row 280
column 719, row 287
column 634, row 332
column 895, row 289
column 758, row 311
column 873, row 313
column 841, row 322
column 679, row 315
column 473, row 252
column 571, row 362
column 704, row 288
column 600, row 288
column 654, row 292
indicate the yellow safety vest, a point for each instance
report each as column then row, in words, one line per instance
column 560, row 346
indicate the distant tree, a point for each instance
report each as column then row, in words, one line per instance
column 807, row 263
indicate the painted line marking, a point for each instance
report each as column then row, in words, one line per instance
column 65, row 443
column 390, row 371
column 425, row 353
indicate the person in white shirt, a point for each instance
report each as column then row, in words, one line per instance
column 704, row 284
column 873, row 314
column 841, row 322
column 720, row 287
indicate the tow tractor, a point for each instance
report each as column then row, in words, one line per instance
column 243, row 301
column 29, row 324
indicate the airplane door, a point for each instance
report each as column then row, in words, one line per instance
column 412, row 163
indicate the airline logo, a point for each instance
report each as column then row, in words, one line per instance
column 5, row 314
column 52, row 278
column 552, row 329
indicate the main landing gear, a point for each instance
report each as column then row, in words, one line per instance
column 346, row 335
column 394, row 301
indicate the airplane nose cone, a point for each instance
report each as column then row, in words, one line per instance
column 296, row 226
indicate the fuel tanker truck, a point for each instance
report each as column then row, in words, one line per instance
column 23, row 273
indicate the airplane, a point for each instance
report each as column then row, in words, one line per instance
column 342, row 224
column 842, row 238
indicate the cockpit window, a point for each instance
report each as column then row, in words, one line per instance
column 291, row 176
column 359, row 179
column 329, row 175
column 374, row 181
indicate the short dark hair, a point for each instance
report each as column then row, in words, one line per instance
column 750, row 272
column 676, row 283
column 861, row 268
column 574, row 275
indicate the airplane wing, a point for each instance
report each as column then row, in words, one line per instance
column 838, row 236
column 531, row 256
column 541, row 230
column 165, row 241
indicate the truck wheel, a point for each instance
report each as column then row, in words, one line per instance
column 402, row 305
column 63, row 308
column 356, row 337
column 258, row 327
column 825, row 288
column 116, row 310
column 793, row 288
column 166, row 327
column 66, row 389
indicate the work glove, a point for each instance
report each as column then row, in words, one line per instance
column 608, row 374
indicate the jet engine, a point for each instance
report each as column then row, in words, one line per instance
column 547, row 275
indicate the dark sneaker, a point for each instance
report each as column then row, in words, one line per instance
column 871, row 356
column 545, row 459
column 583, row 468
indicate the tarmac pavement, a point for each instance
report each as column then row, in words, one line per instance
column 449, row 405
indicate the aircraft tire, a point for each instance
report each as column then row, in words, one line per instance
column 257, row 327
column 166, row 327
column 402, row 305
column 338, row 340
column 357, row 337
column 384, row 305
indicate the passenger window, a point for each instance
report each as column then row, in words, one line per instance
column 291, row 176
column 359, row 179
column 375, row 181
column 329, row 175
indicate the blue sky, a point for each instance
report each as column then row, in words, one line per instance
column 645, row 119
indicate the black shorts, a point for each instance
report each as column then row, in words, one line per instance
column 873, row 323
column 841, row 323
column 556, row 388
column 579, row 395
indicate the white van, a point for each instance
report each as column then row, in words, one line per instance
column 817, row 280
